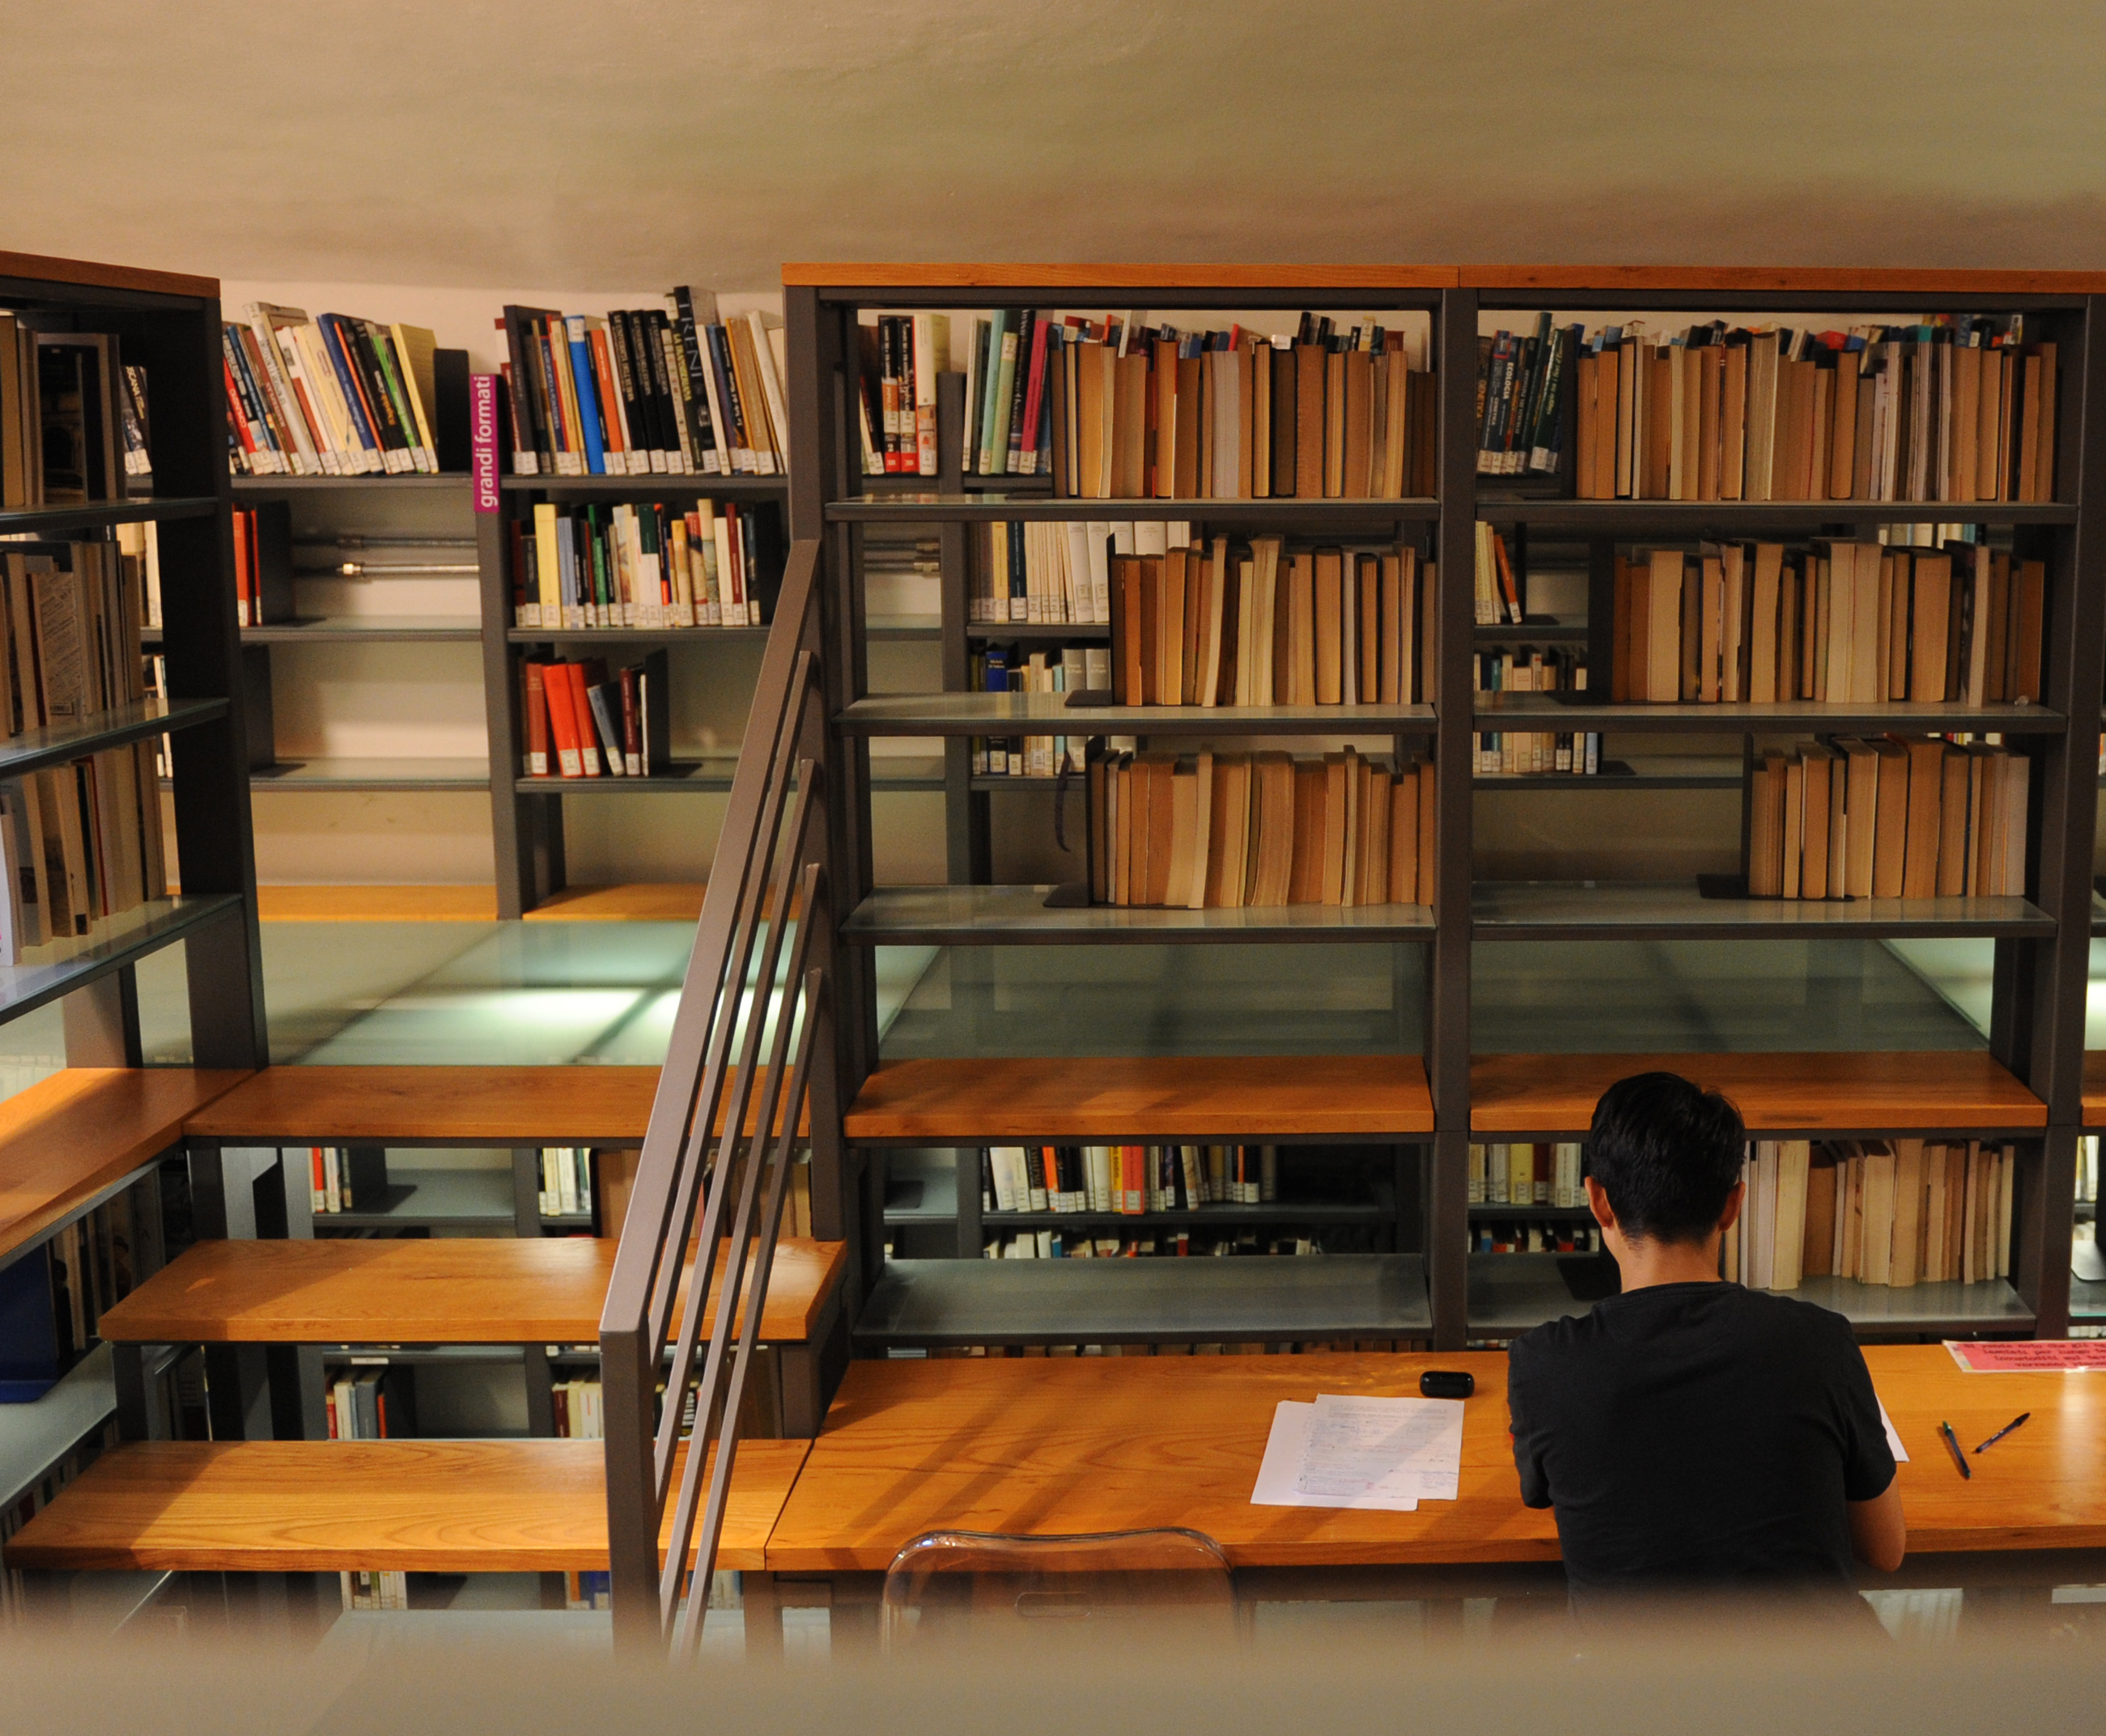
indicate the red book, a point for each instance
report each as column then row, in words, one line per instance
column 632, row 723
column 574, row 684
column 563, row 719
column 534, row 712
column 1034, row 388
column 242, row 583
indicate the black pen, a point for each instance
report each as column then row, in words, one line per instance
column 1952, row 1444
column 2003, row 1431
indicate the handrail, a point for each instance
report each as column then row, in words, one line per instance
column 717, row 1153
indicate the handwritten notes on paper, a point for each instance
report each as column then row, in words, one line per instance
column 1384, row 1454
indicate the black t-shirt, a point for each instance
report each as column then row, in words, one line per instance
column 1698, row 1434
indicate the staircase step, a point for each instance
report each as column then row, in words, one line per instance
column 82, row 1131
column 513, row 1106
column 330, row 1507
column 1150, row 1098
column 450, row 1290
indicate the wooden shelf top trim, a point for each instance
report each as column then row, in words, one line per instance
column 1115, row 1443
column 1144, row 1097
column 444, row 1289
column 2095, row 1089
column 82, row 1130
column 84, row 274
column 439, row 1105
column 1927, row 1091
column 329, row 1506
column 1749, row 279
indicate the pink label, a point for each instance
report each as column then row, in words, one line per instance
column 2042, row 1356
column 482, row 432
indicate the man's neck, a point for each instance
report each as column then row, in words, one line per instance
column 1648, row 1261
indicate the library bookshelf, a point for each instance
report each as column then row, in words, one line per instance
column 911, row 1186
column 103, row 1126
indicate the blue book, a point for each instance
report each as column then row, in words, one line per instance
column 347, row 382
column 581, row 369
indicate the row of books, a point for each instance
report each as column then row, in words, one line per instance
column 1491, row 1236
column 1133, row 1180
column 1888, row 817
column 712, row 564
column 371, row 1404
column 581, row 721
column 139, row 547
column 1054, row 1244
column 1953, row 408
column 1008, row 668
column 1496, row 598
column 581, row 1414
column 1528, row 668
column 2087, row 1169
column 1523, row 1175
column 1262, row 626
column 80, row 843
column 1521, row 386
column 1026, row 570
column 73, row 417
column 902, row 355
column 1114, row 409
column 1223, row 830
column 335, row 1178
column 567, row 1182
column 1834, row 622
column 70, row 614
column 646, row 391
column 1896, row 1212
column 335, row 395
column 367, row 1588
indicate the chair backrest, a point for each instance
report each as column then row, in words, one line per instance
column 972, row 1585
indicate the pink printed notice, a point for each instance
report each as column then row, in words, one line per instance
column 482, row 429
column 2042, row 1356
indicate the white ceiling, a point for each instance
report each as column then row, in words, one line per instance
column 469, row 142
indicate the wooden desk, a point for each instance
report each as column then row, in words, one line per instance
column 330, row 1506
column 1108, row 1444
column 512, row 1106
column 1964, row 1091
column 82, row 1131
column 443, row 1290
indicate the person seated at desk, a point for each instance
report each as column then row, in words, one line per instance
column 1690, row 1432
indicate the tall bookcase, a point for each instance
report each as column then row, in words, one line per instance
column 1425, row 1283
column 76, row 1140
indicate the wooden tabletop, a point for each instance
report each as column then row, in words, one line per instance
column 1109, row 1443
column 1927, row 1091
column 325, row 1506
column 92, row 275
column 441, row 1290
column 1149, row 1098
column 82, row 1130
column 519, row 1106
column 2095, row 1089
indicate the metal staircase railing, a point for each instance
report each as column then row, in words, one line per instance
column 724, row 1130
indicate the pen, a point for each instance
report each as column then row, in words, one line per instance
column 2003, row 1431
column 1952, row 1445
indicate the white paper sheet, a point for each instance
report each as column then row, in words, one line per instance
column 1389, row 1447
column 1281, row 1468
column 1894, row 1440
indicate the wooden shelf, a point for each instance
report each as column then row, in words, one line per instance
column 1559, row 712
column 867, row 276
column 437, row 1106
column 644, row 901
column 264, row 487
column 443, row 1290
column 1696, row 519
column 1960, row 1092
column 1051, row 715
column 1018, row 916
column 635, row 635
column 1277, row 1297
column 1335, row 518
column 377, row 903
column 326, row 1506
column 645, row 488
column 70, row 1139
column 1151, row 1099
column 2095, row 1080
column 1665, row 910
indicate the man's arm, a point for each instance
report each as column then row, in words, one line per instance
column 1878, row 1530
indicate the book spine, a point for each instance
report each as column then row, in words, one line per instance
column 590, row 427
column 707, row 445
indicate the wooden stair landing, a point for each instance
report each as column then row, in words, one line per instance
column 330, row 1507
column 85, row 1128
column 1154, row 1098
column 449, row 1290
column 514, row 1105
column 1960, row 1091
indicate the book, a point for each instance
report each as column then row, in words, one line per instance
column 649, row 564
column 1894, row 1212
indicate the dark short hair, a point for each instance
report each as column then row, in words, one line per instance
column 1667, row 1154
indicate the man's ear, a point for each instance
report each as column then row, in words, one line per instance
column 1597, row 1202
column 1730, row 1216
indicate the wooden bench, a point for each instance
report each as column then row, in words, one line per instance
column 449, row 1290
column 415, row 1506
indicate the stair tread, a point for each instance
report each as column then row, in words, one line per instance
column 440, row 1289
column 327, row 1506
column 515, row 1106
column 1144, row 1098
column 84, row 1128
